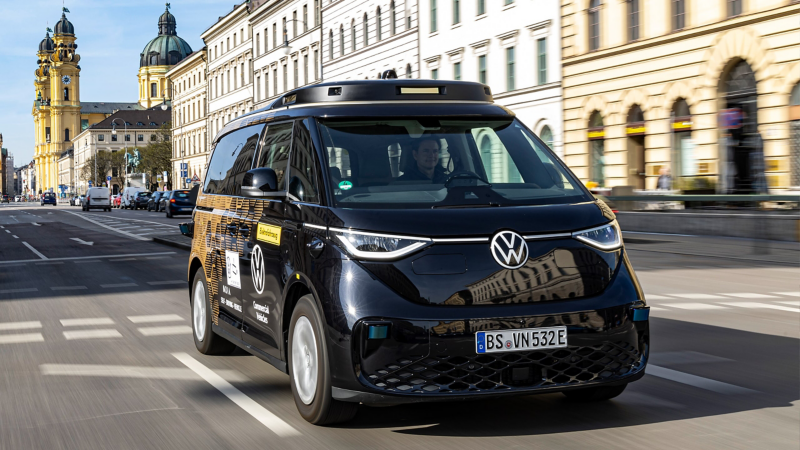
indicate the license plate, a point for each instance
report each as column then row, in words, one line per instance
column 520, row 340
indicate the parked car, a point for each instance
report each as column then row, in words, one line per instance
column 154, row 204
column 179, row 202
column 128, row 196
column 97, row 198
column 18, row 199
column 162, row 202
column 75, row 200
column 48, row 198
column 6, row 198
column 141, row 199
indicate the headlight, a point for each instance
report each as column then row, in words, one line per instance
column 606, row 237
column 375, row 246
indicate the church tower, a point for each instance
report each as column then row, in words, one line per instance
column 158, row 57
column 58, row 109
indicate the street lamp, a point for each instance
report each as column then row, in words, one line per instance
column 164, row 105
column 286, row 47
column 114, row 132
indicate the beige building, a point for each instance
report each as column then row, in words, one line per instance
column 190, row 140
column 699, row 87
column 157, row 58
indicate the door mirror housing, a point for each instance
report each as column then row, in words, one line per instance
column 261, row 183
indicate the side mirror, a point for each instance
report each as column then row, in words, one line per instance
column 261, row 183
column 187, row 229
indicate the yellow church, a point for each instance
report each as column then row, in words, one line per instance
column 58, row 113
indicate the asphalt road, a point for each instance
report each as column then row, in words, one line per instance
column 96, row 352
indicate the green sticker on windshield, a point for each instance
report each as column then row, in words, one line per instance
column 345, row 185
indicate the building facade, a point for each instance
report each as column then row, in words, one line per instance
column 66, row 172
column 190, row 140
column 702, row 88
column 157, row 58
column 513, row 46
column 363, row 38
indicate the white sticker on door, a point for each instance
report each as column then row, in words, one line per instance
column 232, row 268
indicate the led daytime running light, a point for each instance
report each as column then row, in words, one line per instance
column 617, row 243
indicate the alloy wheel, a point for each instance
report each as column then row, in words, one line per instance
column 305, row 360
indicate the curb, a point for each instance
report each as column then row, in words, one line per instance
column 169, row 243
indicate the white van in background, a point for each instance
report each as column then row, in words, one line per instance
column 129, row 196
column 97, row 198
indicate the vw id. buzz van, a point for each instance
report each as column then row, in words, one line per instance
column 393, row 241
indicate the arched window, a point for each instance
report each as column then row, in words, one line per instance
column 330, row 46
column 594, row 25
column 393, row 19
column 546, row 135
column 633, row 20
column 365, row 24
column 597, row 152
column 66, row 94
column 378, row 25
column 408, row 70
column 353, row 35
column 341, row 40
column 66, row 134
column 635, row 131
column 683, row 158
column 678, row 15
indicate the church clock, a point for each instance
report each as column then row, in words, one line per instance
column 66, row 79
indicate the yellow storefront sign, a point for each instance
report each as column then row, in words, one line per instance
column 596, row 134
column 635, row 130
column 269, row 234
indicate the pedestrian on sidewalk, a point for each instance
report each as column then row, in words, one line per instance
column 664, row 179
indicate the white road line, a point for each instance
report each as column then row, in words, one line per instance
column 793, row 303
column 656, row 308
column 698, row 382
column 685, row 357
column 6, row 326
column 86, row 322
column 91, row 334
column 15, row 236
column 160, row 373
column 750, row 295
column 160, row 283
column 158, row 257
column 123, row 259
column 68, row 288
column 88, row 261
column 698, row 296
column 8, row 232
column 130, row 235
column 754, row 305
column 165, row 331
column 788, row 294
column 156, row 318
column 55, row 263
column 118, row 285
column 270, row 420
column 36, row 252
column 693, row 306
column 21, row 338
column 657, row 297
column 77, row 258
column 18, row 291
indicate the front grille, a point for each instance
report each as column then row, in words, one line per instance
column 509, row 371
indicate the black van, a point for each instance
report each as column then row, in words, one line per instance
column 394, row 241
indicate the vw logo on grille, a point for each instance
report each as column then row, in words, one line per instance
column 257, row 268
column 509, row 249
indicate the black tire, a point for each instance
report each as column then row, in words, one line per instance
column 595, row 394
column 323, row 409
column 169, row 214
column 211, row 343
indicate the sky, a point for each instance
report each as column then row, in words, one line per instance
column 110, row 36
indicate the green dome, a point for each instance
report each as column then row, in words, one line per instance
column 168, row 48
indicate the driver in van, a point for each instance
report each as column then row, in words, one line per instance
column 426, row 165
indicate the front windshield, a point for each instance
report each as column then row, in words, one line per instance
column 436, row 163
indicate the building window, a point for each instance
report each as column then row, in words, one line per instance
column 482, row 69
column 378, row 25
column 596, row 136
column 274, row 35
column 510, row 69
column 678, row 15
column 285, row 77
column 433, row 16
column 316, row 13
column 153, row 90
column 275, row 81
column 353, row 35
column 66, row 94
column 284, row 32
column 393, row 19
column 456, row 12
column 365, row 24
column 408, row 70
column 101, row 137
column 305, row 69
column 435, row 74
column 305, row 18
column 316, row 65
column 140, row 137
column 330, row 45
column 594, row 25
column 152, row 137
column 734, row 7
column 633, row 20
column 127, row 138
column 258, row 89
column 113, row 138
column 234, row 40
column 508, row 2
column 294, row 24
column 408, row 19
column 481, row 7
column 341, row 40
column 546, row 135
column 541, row 51
column 457, row 71
column 258, row 44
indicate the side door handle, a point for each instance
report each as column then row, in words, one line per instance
column 244, row 232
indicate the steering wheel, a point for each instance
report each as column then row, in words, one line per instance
column 464, row 174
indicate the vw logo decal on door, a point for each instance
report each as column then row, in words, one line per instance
column 509, row 249
column 257, row 268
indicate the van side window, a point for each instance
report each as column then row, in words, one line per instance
column 232, row 158
column 275, row 151
column 303, row 184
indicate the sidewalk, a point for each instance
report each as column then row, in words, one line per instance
column 768, row 225
column 174, row 240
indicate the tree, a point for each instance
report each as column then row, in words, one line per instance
column 108, row 163
column 157, row 156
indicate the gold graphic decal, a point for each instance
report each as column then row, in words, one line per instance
column 269, row 234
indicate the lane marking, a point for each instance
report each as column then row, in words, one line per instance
column 158, row 257
column 267, row 418
column 18, row 291
column 160, row 283
column 793, row 303
column 21, row 338
column 657, row 297
column 91, row 334
column 165, row 331
column 685, row 357
column 749, row 295
column 698, row 296
column 130, row 235
column 155, row 318
column 35, row 252
column 123, row 259
column 754, row 305
column 656, row 308
column 88, row 261
column 118, row 285
column 56, row 263
column 68, row 288
column 788, row 294
column 110, row 371
column 693, row 306
column 15, row 236
column 6, row 326
column 76, row 258
column 86, row 322
column 695, row 381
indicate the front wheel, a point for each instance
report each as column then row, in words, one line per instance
column 309, row 368
column 206, row 341
column 595, row 394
